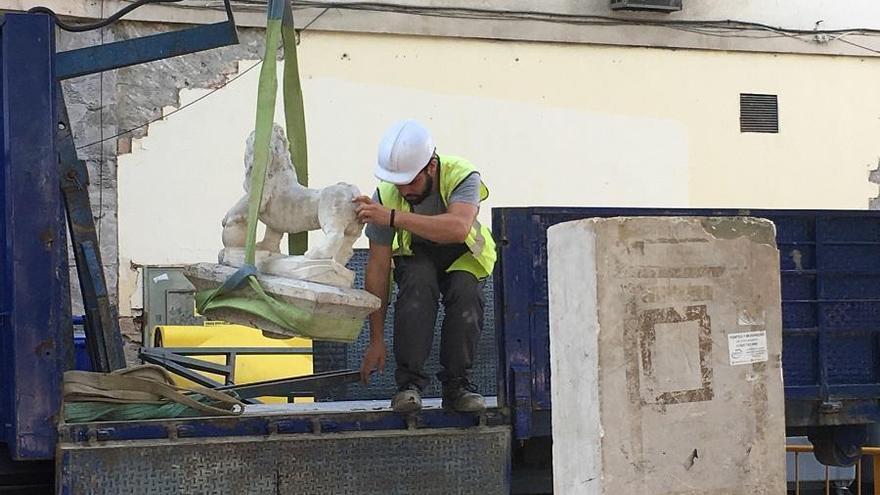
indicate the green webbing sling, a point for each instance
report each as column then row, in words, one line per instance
column 295, row 117
column 299, row 321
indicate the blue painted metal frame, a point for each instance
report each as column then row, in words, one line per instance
column 261, row 425
column 34, row 299
column 94, row 59
column 830, row 273
column 36, row 343
column 6, row 281
column 103, row 338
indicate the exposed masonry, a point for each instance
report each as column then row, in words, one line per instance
column 103, row 105
column 874, row 178
column 143, row 90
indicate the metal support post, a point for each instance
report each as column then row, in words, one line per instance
column 103, row 338
column 35, row 328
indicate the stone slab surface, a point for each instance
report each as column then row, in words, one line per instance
column 327, row 272
column 665, row 342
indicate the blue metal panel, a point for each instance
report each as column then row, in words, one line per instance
column 5, row 267
column 830, row 262
column 34, row 330
column 109, row 56
column 852, row 411
column 103, row 338
column 248, row 426
column 822, row 342
column 512, row 314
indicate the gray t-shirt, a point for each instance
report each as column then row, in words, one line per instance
column 466, row 192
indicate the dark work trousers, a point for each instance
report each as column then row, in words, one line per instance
column 421, row 278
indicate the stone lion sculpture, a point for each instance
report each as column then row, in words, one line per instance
column 288, row 207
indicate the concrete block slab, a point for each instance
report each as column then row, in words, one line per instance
column 665, row 344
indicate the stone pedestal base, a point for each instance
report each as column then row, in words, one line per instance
column 326, row 272
column 347, row 306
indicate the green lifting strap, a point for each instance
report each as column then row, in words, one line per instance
column 279, row 26
column 295, row 118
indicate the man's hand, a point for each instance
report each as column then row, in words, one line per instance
column 369, row 211
column 374, row 359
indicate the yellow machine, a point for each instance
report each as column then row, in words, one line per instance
column 248, row 368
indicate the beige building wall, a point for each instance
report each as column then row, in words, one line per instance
column 547, row 124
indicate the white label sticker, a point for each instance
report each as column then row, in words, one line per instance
column 161, row 278
column 747, row 347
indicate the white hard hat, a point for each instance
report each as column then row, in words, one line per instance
column 406, row 149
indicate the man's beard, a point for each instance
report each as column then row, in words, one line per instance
column 415, row 199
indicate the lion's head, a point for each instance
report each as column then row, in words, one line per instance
column 279, row 156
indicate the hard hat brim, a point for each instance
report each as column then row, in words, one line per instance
column 398, row 178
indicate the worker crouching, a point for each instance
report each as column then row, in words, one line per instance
column 424, row 216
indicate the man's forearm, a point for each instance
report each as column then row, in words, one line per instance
column 377, row 325
column 376, row 283
column 444, row 228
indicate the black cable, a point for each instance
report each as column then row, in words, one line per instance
column 557, row 17
column 313, row 20
column 79, row 28
column 858, row 45
column 165, row 116
column 581, row 18
column 101, row 130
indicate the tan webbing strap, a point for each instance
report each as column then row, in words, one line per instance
column 147, row 384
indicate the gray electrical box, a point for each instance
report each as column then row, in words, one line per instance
column 651, row 5
column 169, row 299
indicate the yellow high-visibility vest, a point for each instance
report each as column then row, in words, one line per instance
column 480, row 259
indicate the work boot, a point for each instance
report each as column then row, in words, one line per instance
column 461, row 395
column 408, row 399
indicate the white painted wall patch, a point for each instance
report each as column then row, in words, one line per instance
column 750, row 315
column 747, row 347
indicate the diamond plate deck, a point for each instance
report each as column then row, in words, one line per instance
column 424, row 461
column 330, row 356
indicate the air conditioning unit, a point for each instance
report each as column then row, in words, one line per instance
column 652, row 5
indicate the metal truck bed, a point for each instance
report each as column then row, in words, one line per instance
column 289, row 449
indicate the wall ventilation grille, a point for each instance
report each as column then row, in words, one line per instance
column 652, row 5
column 758, row 113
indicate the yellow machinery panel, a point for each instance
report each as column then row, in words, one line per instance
column 248, row 368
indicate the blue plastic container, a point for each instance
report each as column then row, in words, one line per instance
column 81, row 359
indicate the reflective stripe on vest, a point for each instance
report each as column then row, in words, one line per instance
column 480, row 241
